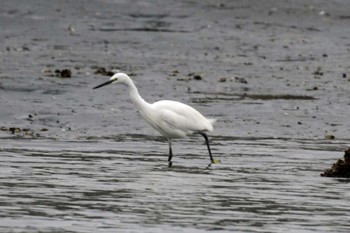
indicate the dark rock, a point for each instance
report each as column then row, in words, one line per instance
column 341, row 168
column 329, row 137
column 197, row 77
column 65, row 73
column 318, row 71
column 103, row 71
column 222, row 79
column 241, row 80
column 14, row 130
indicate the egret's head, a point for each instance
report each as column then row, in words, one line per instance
column 117, row 78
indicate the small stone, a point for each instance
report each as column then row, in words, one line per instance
column 66, row 73
column 318, row 71
column 241, row 80
column 222, row 79
column 47, row 72
column 14, row 130
column 197, row 77
column 329, row 137
column 103, row 71
column 71, row 28
column 3, row 128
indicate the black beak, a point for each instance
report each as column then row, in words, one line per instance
column 103, row 84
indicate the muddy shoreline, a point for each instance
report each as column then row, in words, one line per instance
column 257, row 51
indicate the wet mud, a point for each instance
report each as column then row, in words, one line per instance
column 275, row 75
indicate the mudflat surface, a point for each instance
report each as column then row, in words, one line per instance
column 275, row 74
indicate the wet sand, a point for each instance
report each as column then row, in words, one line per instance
column 275, row 74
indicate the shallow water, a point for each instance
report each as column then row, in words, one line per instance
column 101, row 185
column 275, row 74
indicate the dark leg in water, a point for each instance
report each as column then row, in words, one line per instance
column 170, row 154
column 207, row 142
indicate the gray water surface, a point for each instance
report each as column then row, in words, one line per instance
column 126, row 186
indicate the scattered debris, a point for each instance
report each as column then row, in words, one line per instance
column 65, row 73
column 103, row 71
column 2, row 128
column 276, row 97
column 14, row 130
column 222, row 79
column 329, row 137
column 71, row 28
column 195, row 76
column 315, row 88
column 22, row 132
column 18, row 49
column 318, row 71
column 341, row 168
column 323, row 13
column 241, row 80
column 174, row 73
column 342, row 17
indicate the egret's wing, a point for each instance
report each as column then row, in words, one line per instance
column 174, row 124
column 181, row 119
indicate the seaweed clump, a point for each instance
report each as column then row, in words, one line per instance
column 341, row 168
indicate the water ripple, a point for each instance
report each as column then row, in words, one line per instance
column 101, row 185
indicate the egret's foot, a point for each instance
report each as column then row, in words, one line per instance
column 170, row 164
column 216, row 161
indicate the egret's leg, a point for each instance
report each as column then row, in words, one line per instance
column 170, row 154
column 207, row 142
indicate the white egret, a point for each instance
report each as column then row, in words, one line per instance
column 170, row 118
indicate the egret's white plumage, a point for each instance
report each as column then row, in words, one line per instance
column 172, row 119
column 175, row 120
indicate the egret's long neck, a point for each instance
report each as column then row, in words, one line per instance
column 135, row 97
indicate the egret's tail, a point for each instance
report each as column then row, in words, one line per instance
column 212, row 120
column 210, row 126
